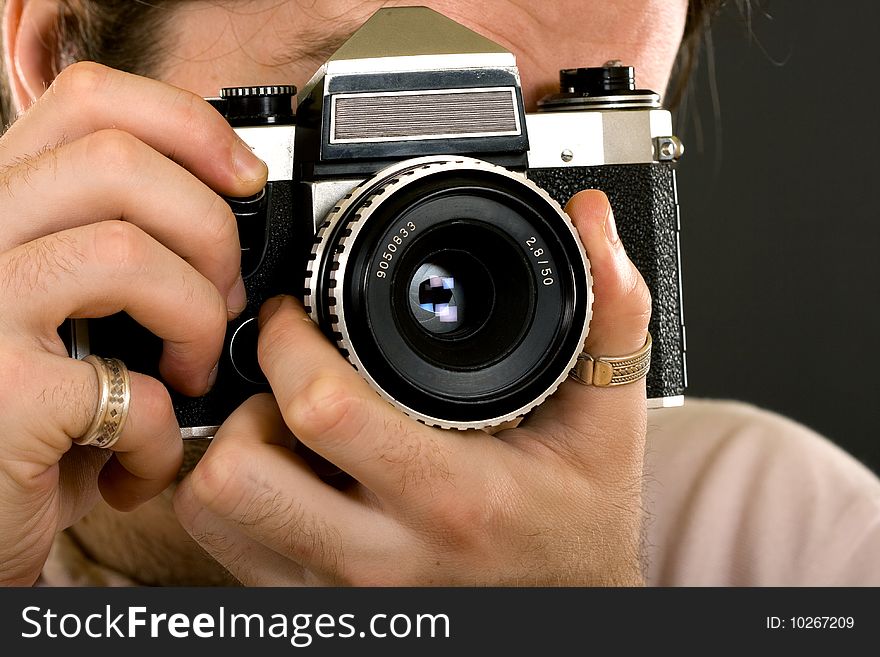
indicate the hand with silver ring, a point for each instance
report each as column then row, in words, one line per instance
column 111, row 202
column 555, row 500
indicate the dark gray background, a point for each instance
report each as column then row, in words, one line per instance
column 778, row 189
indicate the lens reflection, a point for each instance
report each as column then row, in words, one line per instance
column 441, row 289
column 437, row 296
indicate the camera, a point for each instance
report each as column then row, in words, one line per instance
column 416, row 209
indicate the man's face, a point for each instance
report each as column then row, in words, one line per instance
column 253, row 42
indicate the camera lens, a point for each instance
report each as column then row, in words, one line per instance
column 458, row 289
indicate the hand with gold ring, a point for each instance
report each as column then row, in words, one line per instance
column 114, row 399
column 99, row 146
column 555, row 500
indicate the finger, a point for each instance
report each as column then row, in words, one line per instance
column 250, row 478
column 149, row 451
column 250, row 562
column 621, row 301
column 334, row 412
column 602, row 424
column 146, row 456
column 127, row 180
column 77, row 477
column 110, row 267
column 87, row 97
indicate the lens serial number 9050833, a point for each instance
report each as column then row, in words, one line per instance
column 392, row 248
column 538, row 252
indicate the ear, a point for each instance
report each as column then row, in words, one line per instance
column 29, row 48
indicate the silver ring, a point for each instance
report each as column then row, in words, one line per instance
column 114, row 399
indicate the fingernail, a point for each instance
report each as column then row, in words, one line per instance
column 248, row 167
column 237, row 299
column 269, row 308
column 212, row 377
column 610, row 228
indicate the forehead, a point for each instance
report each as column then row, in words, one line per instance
column 274, row 42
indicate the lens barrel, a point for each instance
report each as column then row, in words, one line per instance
column 457, row 288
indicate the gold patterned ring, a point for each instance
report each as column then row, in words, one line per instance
column 607, row 371
column 114, row 399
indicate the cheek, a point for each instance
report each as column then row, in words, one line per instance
column 653, row 40
column 547, row 37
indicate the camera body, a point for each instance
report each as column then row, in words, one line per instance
column 416, row 209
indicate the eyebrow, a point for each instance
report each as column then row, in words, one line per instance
column 311, row 46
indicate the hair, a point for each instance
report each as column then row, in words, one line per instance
column 699, row 18
column 129, row 35
column 123, row 34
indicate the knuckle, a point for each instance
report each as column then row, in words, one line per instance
column 120, row 247
column 274, row 340
column 299, row 532
column 189, row 112
column 477, row 523
column 221, row 230
column 327, row 408
column 214, row 311
column 204, row 297
column 155, row 403
column 216, row 482
column 81, row 81
column 114, row 151
column 209, row 319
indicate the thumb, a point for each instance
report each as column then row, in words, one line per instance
column 603, row 426
column 621, row 300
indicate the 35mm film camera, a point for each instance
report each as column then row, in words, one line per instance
column 416, row 209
